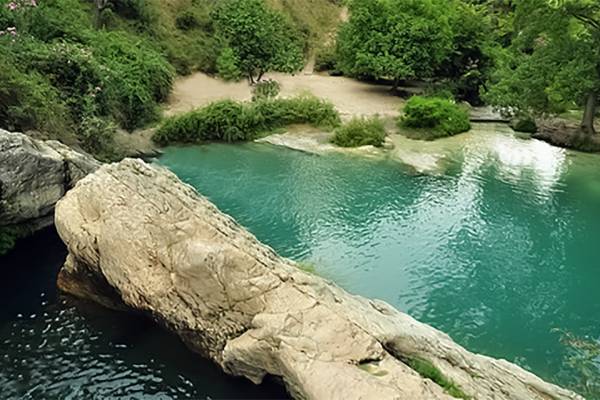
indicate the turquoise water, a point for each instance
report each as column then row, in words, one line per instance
column 499, row 249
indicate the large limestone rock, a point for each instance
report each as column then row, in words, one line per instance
column 34, row 174
column 139, row 238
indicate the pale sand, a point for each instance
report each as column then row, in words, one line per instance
column 349, row 96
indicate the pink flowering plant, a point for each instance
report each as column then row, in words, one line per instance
column 10, row 16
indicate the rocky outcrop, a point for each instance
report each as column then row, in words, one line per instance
column 140, row 239
column 34, row 175
column 567, row 135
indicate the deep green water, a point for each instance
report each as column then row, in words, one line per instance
column 57, row 348
column 500, row 250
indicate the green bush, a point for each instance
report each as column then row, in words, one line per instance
column 29, row 102
column 230, row 121
column 325, row 60
column 138, row 78
column 433, row 117
column 186, row 20
column 267, row 89
column 360, row 132
column 296, row 110
column 227, row 65
column 97, row 136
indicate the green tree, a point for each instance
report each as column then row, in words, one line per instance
column 554, row 61
column 261, row 39
column 396, row 39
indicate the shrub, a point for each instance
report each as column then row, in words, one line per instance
column 97, row 136
column 138, row 78
column 230, row 121
column 28, row 101
column 360, row 132
column 227, row 65
column 297, row 110
column 71, row 68
column 433, row 117
column 325, row 60
column 267, row 89
column 186, row 20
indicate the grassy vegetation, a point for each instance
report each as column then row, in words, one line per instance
column 232, row 121
column 360, row 132
column 427, row 370
column 68, row 69
column 429, row 118
column 315, row 19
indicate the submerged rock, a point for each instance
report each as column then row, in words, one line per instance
column 34, row 175
column 140, row 239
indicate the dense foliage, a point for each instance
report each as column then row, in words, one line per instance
column 432, row 117
column 231, row 121
column 360, row 132
column 75, row 69
column 58, row 73
column 257, row 39
column 553, row 63
column 416, row 39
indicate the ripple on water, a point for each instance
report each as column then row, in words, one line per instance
column 60, row 348
column 496, row 248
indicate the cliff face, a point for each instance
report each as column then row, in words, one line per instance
column 34, row 175
column 140, row 239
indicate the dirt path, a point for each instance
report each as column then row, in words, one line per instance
column 349, row 96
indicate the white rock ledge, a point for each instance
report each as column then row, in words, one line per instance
column 140, row 238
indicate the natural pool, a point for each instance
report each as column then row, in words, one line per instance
column 498, row 249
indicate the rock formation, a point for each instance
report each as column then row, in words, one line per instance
column 34, row 175
column 140, row 239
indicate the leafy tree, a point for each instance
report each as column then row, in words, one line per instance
column 554, row 61
column 418, row 39
column 397, row 39
column 261, row 39
column 469, row 62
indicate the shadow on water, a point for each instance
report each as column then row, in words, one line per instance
column 58, row 347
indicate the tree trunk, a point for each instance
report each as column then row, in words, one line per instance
column 100, row 6
column 587, row 125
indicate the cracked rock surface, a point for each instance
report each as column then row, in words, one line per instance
column 34, row 175
column 140, row 239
